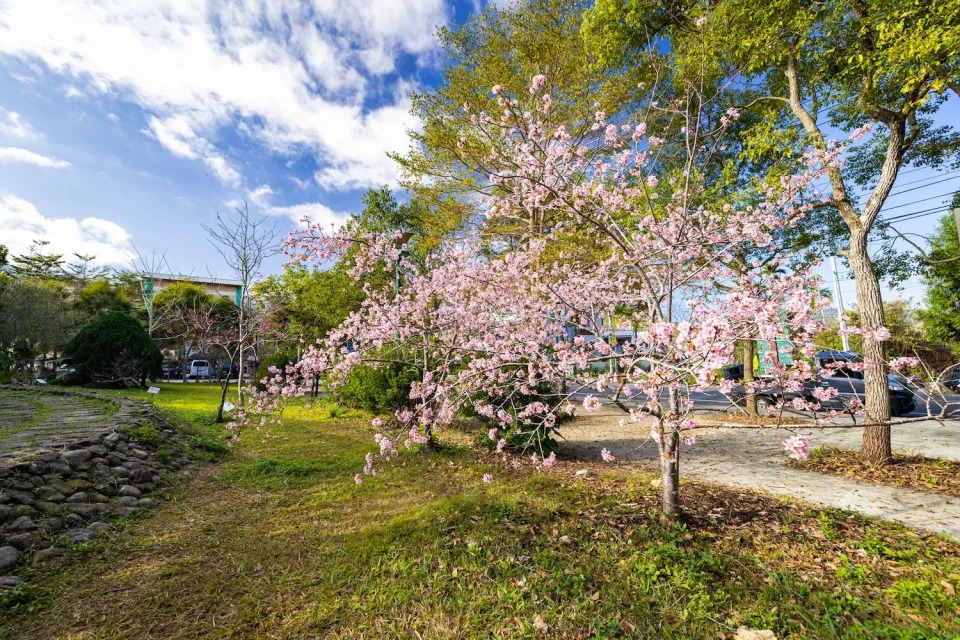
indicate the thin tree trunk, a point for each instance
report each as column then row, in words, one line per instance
column 224, row 385
column 748, row 350
column 876, row 447
column 670, row 461
column 670, row 473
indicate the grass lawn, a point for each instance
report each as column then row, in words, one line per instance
column 277, row 541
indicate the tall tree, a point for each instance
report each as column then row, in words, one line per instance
column 502, row 47
column 941, row 316
column 823, row 67
column 244, row 243
column 38, row 263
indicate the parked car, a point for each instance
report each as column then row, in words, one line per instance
column 228, row 370
column 171, row 370
column 951, row 380
column 198, row 369
column 848, row 383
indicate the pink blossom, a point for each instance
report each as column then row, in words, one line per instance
column 537, row 83
column 606, row 455
column 487, row 478
column 797, row 447
column 591, row 403
column 908, row 362
column 701, row 21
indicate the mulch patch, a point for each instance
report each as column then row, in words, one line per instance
column 745, row 419
column 912, row 472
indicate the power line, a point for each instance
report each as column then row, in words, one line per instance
column 923, row 186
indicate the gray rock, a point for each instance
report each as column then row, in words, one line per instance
column 130, row 490
column 79, row 485
column 127, row 501
column 60, row 486
column 20, row 497
column 126, row 511
column 4, row 513
column 23, row 523
column 61, row 468
column 45, row 455
column 113, row 439
column 145, row 502
column 76, row 457
column 24, row 510
column 43, row 555
column 49, row 494
column 132, row 464
column 22, row 541
column 141, row 475
column 75, row 520
column 36, row 481
column 120, row 472
column 38, row 467
column 98, row 462
column 20, row 484
column 86, row 511
column 9, row 582
column 51, row 525
column 79, row 496
column 98, row 450
column 100, row 526
column 79, row 536
column 140, row 453
column 8, row 557
column 48, row 507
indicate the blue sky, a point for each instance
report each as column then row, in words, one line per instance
column 130, row 123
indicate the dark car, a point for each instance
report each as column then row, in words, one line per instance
column 838, row 373
column 849, row 389
column 171, row 370
column 951, row 381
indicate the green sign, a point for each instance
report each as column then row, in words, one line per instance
column 784, row 354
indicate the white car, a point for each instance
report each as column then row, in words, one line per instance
column 197, row 369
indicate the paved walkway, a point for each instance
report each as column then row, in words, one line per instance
column 32, row 419
column 755, row 459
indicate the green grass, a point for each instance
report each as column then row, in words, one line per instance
column 278, row 541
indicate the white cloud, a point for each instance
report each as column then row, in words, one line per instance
column 315, row 212
column 16, row 154
column 295, row 76
column 22, row 223
column 12, row 125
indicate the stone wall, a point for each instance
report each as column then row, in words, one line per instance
column 55, row 497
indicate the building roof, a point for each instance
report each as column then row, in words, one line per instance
column 171, row 277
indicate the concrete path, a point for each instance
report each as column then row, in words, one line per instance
column 755, row 459
column 31, row 419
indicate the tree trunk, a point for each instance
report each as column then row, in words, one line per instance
column 670, row 461
column 224, row 385
column 670, row 473
column 748, row 349
column 876, row 440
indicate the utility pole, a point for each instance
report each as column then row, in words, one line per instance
column 838, row 300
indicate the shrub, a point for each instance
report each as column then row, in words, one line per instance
column 113, row 350
column 145, row 434
column 377, row 389
column 540, row 441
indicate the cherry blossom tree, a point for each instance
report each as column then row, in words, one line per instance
column 484, row 331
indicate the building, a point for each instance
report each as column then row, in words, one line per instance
column 231, row 289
